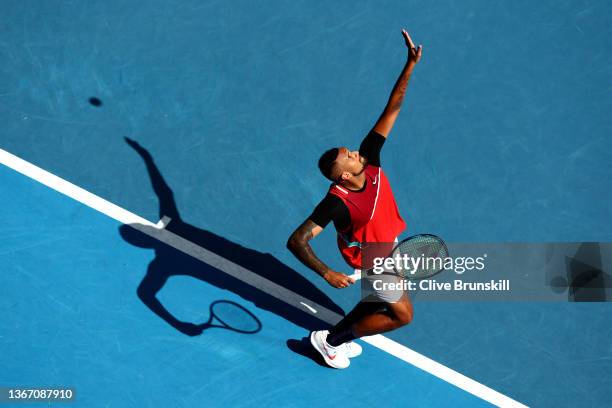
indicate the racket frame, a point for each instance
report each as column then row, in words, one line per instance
column 357, row 275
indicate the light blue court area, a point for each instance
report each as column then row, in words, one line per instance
column 70, row 316
column 503, row 137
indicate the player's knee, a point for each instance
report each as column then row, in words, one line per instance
column 404, row 315
column 405, row 318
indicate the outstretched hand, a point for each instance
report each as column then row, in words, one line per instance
column 414, row 53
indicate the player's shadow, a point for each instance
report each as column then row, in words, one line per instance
column 172, row 262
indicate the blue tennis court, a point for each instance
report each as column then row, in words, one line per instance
column 503, row 137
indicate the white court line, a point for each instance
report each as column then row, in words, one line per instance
column 157, row 231
column 307, row 306
column 163, row 223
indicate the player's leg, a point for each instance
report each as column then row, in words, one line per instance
column 386, row 308
column 342, row 331
column 396, row 315
column 336, row 346
column 366, row 319
column 387, row 289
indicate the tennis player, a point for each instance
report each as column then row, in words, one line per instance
column 362, row 207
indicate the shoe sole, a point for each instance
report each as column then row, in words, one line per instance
column 323, row 354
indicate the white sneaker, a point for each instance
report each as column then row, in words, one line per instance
column 352, row 349
column 334, row 356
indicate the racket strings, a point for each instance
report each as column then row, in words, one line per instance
column 420, row 257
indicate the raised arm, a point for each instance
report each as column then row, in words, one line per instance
column 298, row 245
column 387, row 119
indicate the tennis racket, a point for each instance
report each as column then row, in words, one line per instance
column 232, row 316
column 415, row 258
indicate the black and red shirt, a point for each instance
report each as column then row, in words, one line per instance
column 364, row 216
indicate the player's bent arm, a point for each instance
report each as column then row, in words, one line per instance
column 299, row 246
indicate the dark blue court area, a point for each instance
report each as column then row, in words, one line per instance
column 213, row 115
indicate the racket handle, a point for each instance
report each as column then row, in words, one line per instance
column 356, row 276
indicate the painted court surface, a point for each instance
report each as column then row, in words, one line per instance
column 503, row 137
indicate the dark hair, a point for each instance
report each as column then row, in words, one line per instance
column 326, row 162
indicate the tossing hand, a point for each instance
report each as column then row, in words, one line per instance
column 414, row 53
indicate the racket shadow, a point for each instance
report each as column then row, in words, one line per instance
column 170, row 262
column 225, row 314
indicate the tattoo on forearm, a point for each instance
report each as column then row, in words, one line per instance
column 399, row 89
column 299, row 246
